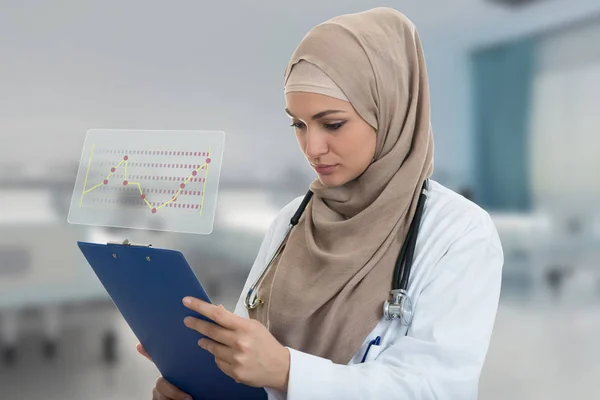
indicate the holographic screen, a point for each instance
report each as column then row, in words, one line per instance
column 165, row 180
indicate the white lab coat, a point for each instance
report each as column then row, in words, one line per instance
column 455, row 288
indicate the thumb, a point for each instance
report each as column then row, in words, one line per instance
column 142, row 351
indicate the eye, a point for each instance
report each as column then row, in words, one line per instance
column 335, row 126
column 297, row 125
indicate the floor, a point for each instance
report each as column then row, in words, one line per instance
column 79, row 370
column 548, row 352
column 543, row 353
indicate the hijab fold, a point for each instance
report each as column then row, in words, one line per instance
column 325, row 293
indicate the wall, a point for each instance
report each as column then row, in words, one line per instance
column 70, row 66
column 448, row 61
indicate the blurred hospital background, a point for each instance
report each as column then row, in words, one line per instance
column 515, row 87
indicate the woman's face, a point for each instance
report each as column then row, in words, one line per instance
column 334, row 138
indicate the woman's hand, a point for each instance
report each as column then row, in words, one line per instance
column 163, row 389
column 142, row 351
column 243, row 348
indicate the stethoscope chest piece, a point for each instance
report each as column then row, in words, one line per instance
column 252, row 300
column 400, row 307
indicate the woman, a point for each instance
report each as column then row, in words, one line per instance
column 357, row 93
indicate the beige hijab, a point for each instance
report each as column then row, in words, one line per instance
column 325, row 293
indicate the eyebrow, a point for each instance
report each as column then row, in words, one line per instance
column 319, row 114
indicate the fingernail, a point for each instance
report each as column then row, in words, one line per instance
column 187, row 301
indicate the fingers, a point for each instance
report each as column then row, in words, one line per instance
column 168, row 391
column 211, row 330
column 142, row 351
column 157, row 396
column 226, row 367
column 216, row 313
column 218, row 350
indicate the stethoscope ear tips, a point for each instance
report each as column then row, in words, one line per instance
column 400, row 307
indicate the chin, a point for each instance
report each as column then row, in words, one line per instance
column 332, row 180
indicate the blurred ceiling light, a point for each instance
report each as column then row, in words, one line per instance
column 515, row 3
column 256, row 221
column 246, row 210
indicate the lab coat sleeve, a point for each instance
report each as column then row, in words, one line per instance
column 443, row 353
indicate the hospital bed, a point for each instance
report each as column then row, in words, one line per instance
column 548, row 250
column 518, row 234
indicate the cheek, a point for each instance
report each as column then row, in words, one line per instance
column 361, row 149
column 301, row 139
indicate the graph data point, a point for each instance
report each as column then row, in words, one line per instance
column 182, row 185
column 106, row 181
column 154, row 211
column 195, row 173
column 125, row 183
column 126, row 158
column 112, row 169
column 143, row 196
column 208, row 160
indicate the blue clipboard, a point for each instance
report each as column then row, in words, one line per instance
column 147, row 286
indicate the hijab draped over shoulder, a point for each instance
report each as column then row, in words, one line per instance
column 325, row 293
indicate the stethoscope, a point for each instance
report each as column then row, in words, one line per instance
column 401, row 306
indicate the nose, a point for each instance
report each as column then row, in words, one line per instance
column 316, row 143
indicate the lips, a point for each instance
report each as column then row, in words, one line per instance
column 324, row 169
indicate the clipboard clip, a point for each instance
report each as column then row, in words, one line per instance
column 126, row 242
